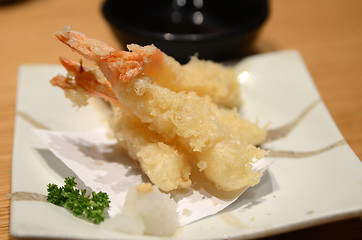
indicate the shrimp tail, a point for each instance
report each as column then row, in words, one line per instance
column 116, row 65
column 80, row 77
column 87, row 47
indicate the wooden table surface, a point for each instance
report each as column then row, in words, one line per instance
column 327, row 33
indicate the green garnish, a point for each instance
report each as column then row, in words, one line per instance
column 92, row 207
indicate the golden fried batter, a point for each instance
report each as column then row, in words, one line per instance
column 168, row 129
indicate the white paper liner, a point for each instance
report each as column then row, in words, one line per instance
column 96, row 161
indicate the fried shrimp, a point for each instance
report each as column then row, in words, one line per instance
column 194, row 126
column 166, row 167
column 188, row 120
column 205, row 78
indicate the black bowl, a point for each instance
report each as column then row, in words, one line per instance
column 212, row 29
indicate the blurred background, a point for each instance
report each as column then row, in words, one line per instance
column 327, row 33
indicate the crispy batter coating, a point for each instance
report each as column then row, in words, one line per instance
column 167, row 130
column 166, row 167
column 189, row 120
column 205, row 78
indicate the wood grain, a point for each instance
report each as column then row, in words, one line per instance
column 327, row 33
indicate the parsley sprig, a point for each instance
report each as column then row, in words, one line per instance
column 92, row 207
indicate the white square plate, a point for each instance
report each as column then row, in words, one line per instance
column 295, row 192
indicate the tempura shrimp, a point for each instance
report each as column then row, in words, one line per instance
column 182, row 119
column 166, row 166
column 205, row 78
